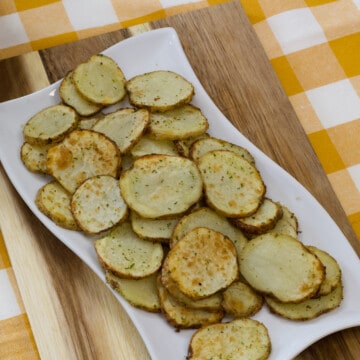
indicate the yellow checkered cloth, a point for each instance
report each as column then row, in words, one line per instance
column 313, row 46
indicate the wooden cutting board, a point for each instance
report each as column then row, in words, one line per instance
column 73, row 315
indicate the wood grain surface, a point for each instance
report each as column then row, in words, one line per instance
column 72, row 313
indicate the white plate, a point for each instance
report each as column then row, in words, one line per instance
column 164, row 51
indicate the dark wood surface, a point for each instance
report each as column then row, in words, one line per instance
column 232, row 66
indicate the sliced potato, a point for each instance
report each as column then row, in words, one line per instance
column 50, row 125
column 54, row 201
column 153, row 229
column 183, row 146
column 81, row 155
column 332, row 271
column 202, row 263
column 180, row 123
column 233, row 187
column 141, row 293
column 308, row 309
column 100, row 80
column 160, row 186
column 34, row 157
column 203, row 146
column 280, row 266
column 88, row 123
column 263, row 220
column 283, row 226
column 290, row 217
column 97, row 204
column 159, row 90
column 125, row 127
column 126, row 255
column 71, row 97
column 240, row 300
column 148, row 146
column 183, row 317
column 239, row 339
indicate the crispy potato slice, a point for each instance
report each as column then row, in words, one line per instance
column 202, row 263
column 71, row 97
column 88, row 123
column 153, row 229
column 183, row 146
column 233, row 187
column 159, row 90
column 97, row 204
column 239, row 339
column 81, row 155
column 141, row 293
column 125, row 127
column 180, row 123
column 54, row 201
column 332, row 271
column 148, row 146
column 183, row 317
column 34, row 157
column 100, row 80
column 126, row 255
column 160, row 186
column 280, row 266
column 307, row 309
column 205, row 145
column 240, row 300
column 263, row 220
column 50, row 125
column 290, row 217
column 206, row 217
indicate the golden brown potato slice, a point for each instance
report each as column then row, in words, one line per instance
column 180, row 123
column 126, row 255
column 88, row 123
column 159, row 90
column 233, row 187
column 263, row 220
column 239, row 339
column 141, row 293
column 125, row 127
column 100, row 80
column 202, row 263
column 148, row 146
column 34, row 157
column 280, row 266
column 50, row 125
column 97, row 204
column 71, row 97
column 160, row 186
column 183, row 146
column 240, row 300
column 54, row 201
column 182, row 316
column 203, row 146
column 81, row 155
column 307, row 309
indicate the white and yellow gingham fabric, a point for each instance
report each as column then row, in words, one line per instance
column 313, row 46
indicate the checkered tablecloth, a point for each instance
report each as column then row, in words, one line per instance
column 313, row 46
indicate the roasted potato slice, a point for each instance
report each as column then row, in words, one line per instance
column 159, row 90
column 54, row 201
column 81, row 155
column 180, row 123
column 141, row 293
column 97, row 204
column 282, row 267
column 50, row 125
column 34, row 157
column 71, row 97
column 148, row 146
column 307, row 309
column 233, row 187
column 236, row 340
column 160, row 186
column 88, row 123
column 126, row 255
column 183, row 317
column 125, row 127
column 100, row 80
column 184, row 146
column 202, row 263
column 240, row 300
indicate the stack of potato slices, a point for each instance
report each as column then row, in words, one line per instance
column 182, row 220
